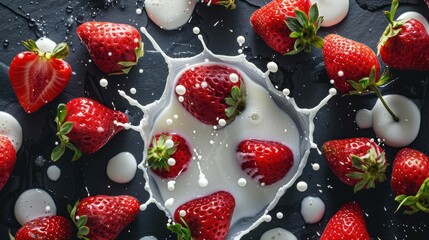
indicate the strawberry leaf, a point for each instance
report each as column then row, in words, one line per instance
column 31, row 45
column 359, row 186
column 159, row 153
column 419, row 202
column 66, row 128
column 11, row 237
column 61, row 112
column 60, row 51
column 57, row 152
column 236, row 103
column 183, row 231
column 394, row 27
column 304, row 30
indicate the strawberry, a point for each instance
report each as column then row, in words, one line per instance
column 46, row 228
column 405, row 43
column 285, row 27
column 85, row 126
column 357, row 162
column 38, row 77
column 113, row 47
column 354, row 67
column 7, row 159
column 160, row 151
column 228, row 4
column 410, row 180
column 103, row 217
column 347, row 223
column 265, row 161
column 212, row 94
column 206, row 218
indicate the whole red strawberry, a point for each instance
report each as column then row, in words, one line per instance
column 348, row 223
column 405, row 43
column 410, row 180
column 265, row 161
column 85, row 126
column 357, row 162
column 7, row 159
column 206, row 218
column 285, row 27
column 354, row 67
column 166, row 148
column 228, row 4
column 346, row 60
column 212, row 94
column 38, row 77
column 103, row 217
column 46, row 228
column 113, row 47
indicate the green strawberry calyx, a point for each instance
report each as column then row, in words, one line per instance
column 419, row 202
column 183, row 231
column 60, row 51
column 138, row 52
column 393, row 28
column 80, row 222
column 371, row 168
column 236, row 102
column 370, row 84
column 160, row 152
column 11, row 237
column 304, row 30
column 63, row 128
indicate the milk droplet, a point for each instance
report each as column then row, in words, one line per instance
column 181, row 99
column 53, row 173
column 302, row 186
column 273, row 67
column 168, row 121
column 169, row 203
column 171, row 161
column 182, row 213
column 222, row 122
column 139, row 11
column 202, row 180
column 133, row 91
column 180, row 89
column 242, row 182
column 286, row 92
column 241, row 40
column 109, row 54
column 196, row 30
column 279, row 215
column 32, row 204
column 340, row 73
column 312, row 209
column 122, row 168
column 171, row 185
column 148, row 238
column 169, row 143
column 11, row 128
column 233, row 77
column 104, row 82
column 21, row 56
column 315, row 166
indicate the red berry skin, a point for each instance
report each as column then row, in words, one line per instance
column 111, row 43
column 93, row 124
column 355, row 60
column 269, row 23
column 7, row 159
column 265, row 161
column 409, row 50
column 107, row 215
column 348, row 223
column 410, row 169
column 208, row 217
column 182, row 156
column 46, row 228
column 208, row 104
column 338, row 155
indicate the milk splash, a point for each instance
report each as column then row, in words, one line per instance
column 296, row 126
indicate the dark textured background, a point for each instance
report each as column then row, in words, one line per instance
column 305, row 74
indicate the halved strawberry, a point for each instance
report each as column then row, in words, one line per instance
column 39, row 77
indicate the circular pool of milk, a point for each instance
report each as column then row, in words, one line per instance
column 214, row 148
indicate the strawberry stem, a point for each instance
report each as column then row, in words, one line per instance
column 377, row 92
column 393, row 28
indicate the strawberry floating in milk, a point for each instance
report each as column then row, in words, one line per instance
column 269, row 115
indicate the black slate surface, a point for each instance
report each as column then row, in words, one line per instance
column 305, row 74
